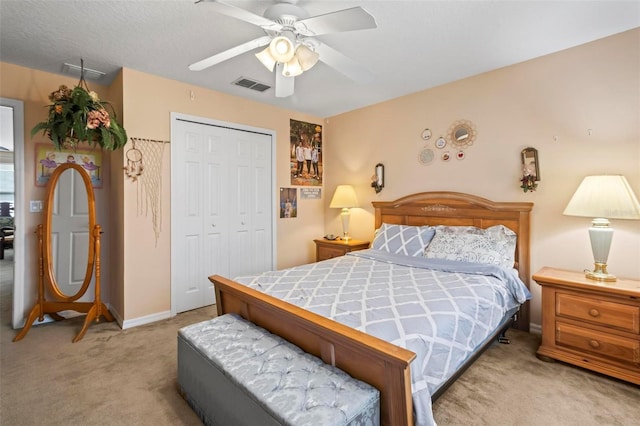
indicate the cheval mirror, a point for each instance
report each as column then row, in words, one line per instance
column 68, row 251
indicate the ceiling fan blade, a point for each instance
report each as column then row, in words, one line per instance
column 344, row 64
column 242, row 14
column 230, row 53
column 284, row 84
column 355, row 18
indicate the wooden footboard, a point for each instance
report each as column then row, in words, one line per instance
column 367, row 358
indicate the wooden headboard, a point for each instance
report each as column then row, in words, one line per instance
column 458, row 209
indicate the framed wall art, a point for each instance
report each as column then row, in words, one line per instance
column 48, row 158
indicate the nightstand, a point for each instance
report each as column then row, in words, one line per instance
column 327, row 249
column 591, row 324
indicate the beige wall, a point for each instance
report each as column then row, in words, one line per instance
column 148, row 103
column 136, row 271
column 548, row 103
column 33, row 88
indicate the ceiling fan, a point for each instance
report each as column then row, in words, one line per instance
column 291, row 44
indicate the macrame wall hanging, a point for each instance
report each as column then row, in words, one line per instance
column 144, row 166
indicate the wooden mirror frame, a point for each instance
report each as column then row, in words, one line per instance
column 47, row 231
column 530, row 161
column 47, row 282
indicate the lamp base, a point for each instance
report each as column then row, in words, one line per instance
column 600, row 273
column 345, row 215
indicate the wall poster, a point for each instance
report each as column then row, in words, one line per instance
column 306, row 153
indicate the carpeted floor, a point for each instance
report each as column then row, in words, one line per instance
column 116, row 377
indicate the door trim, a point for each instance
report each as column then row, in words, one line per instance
column 175, row 116
column 19, row 308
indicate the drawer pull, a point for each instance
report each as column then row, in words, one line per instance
column 594, row 312
column 594, row 344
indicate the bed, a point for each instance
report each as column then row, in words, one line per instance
column 375, row 360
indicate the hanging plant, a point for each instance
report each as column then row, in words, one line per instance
column 78, row 116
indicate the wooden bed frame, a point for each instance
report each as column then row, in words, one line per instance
column 372, row 360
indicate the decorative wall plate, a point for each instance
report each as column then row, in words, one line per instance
column 460, row 155
column 425, row 156
column 446, row 156
column 426, row 134
column 441, row 142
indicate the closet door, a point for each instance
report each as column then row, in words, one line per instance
column 222, row 216
column 189, row 206
column 251, row 223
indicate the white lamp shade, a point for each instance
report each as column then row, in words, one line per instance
column 292, row 68
column 281, row 49
column 266, row 59
column 607, row 196
column 344, row 197
column 307, row 57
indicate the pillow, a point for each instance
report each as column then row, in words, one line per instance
column 495, row 245
column 403, row 239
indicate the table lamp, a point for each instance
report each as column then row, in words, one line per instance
column 344, row 198
column 603, row 198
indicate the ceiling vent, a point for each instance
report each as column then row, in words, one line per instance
column 251, row 84
column 76, row 70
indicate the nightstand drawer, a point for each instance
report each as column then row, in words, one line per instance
column 607, row 345
column 607, row 314
column 325, row 253
column 328, row 249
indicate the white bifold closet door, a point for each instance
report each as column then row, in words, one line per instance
column 222, row 213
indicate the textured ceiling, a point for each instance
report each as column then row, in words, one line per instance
column 417, row 45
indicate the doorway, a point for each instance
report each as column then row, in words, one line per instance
column 12, row 125
column 222, row 205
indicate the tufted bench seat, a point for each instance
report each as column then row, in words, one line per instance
column 233, row 372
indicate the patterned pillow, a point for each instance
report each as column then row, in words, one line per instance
column 495, row 245
column 403, row 239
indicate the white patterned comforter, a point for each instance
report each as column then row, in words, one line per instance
column 441, row 310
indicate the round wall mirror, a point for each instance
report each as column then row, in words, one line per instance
column 462, row 133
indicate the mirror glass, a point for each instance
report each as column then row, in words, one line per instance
column 70, row 217
column 461, row 133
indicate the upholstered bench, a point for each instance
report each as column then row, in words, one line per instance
column 233, row 372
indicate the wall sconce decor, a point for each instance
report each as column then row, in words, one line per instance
column 530, row 169
column 377, row 180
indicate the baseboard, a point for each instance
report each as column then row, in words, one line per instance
column 135, row 322
column 535, row 328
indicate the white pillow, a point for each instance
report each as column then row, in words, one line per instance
column 495, row 245
column 403, row 239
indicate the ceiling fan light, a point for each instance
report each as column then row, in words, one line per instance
column 307, row 57
column 281, row 49
column 266, row 59
column 292, row 68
